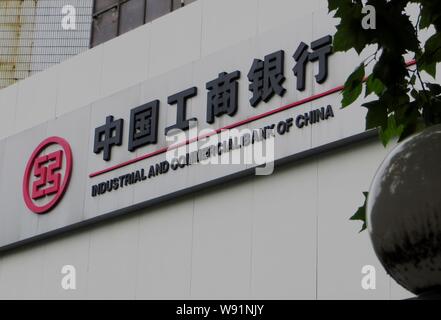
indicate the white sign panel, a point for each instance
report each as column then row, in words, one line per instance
column 232, row 113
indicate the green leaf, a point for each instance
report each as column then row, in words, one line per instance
column 361, row 213
column 390, row 131
column 353, row 86
column 430, row 68
column 424, row 22
column 350, row 34
column 412, row 80
column 374, row 85
column 430, row 12
column 434, row 88
column 391, row 69
column 431, row 55
column 400, row 110
column 334, row 4
column 376, row 115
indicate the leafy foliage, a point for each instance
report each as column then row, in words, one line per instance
column 361, row 213
column 404, row 103
column 353, row 86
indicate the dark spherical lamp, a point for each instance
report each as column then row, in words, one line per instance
column 404, row 213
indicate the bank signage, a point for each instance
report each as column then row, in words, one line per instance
column 201, row 155
column 266, row 79
column 232, row 113
column 47, row 174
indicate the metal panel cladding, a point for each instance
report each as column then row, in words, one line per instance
column 33, row 37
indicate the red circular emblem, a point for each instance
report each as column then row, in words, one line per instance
column 47, row 174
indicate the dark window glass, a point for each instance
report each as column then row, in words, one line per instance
column 114, row 17
column 105, row 27
column 178, row 3
column 157, row 8
column 131, row 15
column 104, row 4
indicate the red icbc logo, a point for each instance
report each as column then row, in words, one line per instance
column 47, row 174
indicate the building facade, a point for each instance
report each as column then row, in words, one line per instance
column 32, row 37
column 37, row 34
column 89, row 181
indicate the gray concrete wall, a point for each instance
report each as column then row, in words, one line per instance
column 283, row 236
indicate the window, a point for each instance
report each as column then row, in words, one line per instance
column 114, row 17
column 180, row 3
column 104, row 4
column 131, row 15
column 157, row 8
column 105, row 26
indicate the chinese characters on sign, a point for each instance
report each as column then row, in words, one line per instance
column 321, row 50
column 222, row 95
column 266, row 78
column 108, row 135
column 143, row 125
